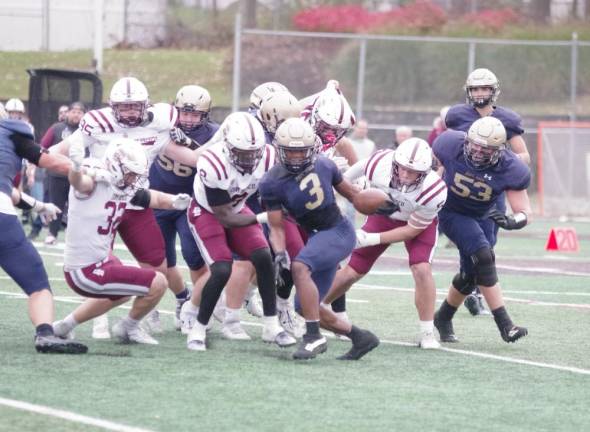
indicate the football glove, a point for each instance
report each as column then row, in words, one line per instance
column 282, row 262
column 181, row 201
column 47, row 211
column 364, row 239
column 508, row 222
column 341, row 163
column 77, row 153
column 179, row 137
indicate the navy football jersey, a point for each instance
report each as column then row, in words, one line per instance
column 461, row 117
column 307, row 196
column 173, row 177
column 474, row 191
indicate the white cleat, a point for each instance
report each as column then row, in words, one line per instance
column 100, row 327
column 151, row 323
column 195, row 341
column 275, row 334
column 133, row 335
column 62, row 331
column 234, row 331
column 253, row 303
column 428, row 341
column 291, row 322
column 188, row 316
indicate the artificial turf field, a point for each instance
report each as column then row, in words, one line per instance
column 541, row 383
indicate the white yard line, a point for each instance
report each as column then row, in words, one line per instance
column 70, row 416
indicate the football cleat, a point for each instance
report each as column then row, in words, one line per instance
column 179, row 303
column 445, row 330
column 366, row 343
column 100, row 327
column 234, row 331
column 151, row 323
column 310, row 347
column 52, row 344
column 475, row 306
column 272, row 334
column 291, row 322
column 428, row 341
column 132, row 335
column 62, row 331
column 513, row 333
column 253, row 303
column 195, row 340
column 187, row 318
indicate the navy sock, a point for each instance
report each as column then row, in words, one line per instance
column 44, row 330
column 182, row 295
column 446, row 311
column 502, row 318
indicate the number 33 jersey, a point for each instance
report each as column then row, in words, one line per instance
column 92, row 223
column 307, row 196
column 473, row 192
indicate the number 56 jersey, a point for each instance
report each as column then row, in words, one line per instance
column 473, row 192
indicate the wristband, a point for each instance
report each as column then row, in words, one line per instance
column 262, row 218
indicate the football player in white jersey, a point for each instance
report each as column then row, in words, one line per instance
column 229, row 172
column 129, row 115
column 416, row 195
column 96, row 209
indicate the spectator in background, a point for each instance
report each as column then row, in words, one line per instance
column 363, row 146
column 16, row 109
column 58, row 185
column 402, row 133
column 438, row 125
column 62, row 113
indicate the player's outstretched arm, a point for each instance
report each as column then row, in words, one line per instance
column 224, row 213
column 396, row 235
column 346, row 150
column 183, row 155
column 277, row 231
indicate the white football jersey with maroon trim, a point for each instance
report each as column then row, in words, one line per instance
column 215, row 171
column 92, row 223
column 418, row 207
column 99, row 127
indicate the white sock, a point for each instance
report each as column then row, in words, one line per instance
column 271, row 321
column 231, row 315
column 130, row 323
column 70, row 321
column 282, row 303
column 427, row 326
column 191, row 308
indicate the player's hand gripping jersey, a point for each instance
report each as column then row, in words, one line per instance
column 473, row 192
column 417, row 206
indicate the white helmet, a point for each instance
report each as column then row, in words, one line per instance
column 276, row 108
column 127, row 162
column 15, row 105
column 414, row 154
column 262, row 91
column 331, row 116
column 295, row 137
column 244, row 140
column 129, row 93
column 485, row 141
column 193, row 98
column 482, row 78
column 3, row 113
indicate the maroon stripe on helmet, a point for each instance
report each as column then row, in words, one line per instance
column 104, row 117
column 439, row 190
column 220, row 163
column 341, row 111
column 128, row 82
column 267, row 164
column 96, row 120
column 252, row 134
column 414, row 151
column 428, row 189
column 213, row 165
column 377, row 159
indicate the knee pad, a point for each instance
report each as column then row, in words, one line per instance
column 463, row 283
column 484, row 262
column 220, row 272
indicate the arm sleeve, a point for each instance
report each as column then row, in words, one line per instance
column 26, row 148
column 142, row 198
column 217, row 197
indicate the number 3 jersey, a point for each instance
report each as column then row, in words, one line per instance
column 473, row 192
column 418, row 207
column 307, row 196
column 219, row 182
column 92, row 223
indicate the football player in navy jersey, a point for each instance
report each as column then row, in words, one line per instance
column 482, row 90
column 192, row 130
column 477, row 170
column 303, row 184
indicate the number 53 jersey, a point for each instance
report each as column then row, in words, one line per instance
column 307, row 196
column 471, row 191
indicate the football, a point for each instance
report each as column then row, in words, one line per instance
column 369, row 200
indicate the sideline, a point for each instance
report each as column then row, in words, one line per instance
column 70, row 416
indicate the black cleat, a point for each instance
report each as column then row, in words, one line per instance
column 474, row 304
column 310, row 347
column 54, row 345
column 513, row 333
column 364, row 344
column 445, row 330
